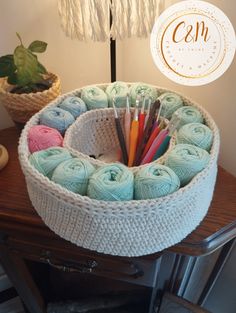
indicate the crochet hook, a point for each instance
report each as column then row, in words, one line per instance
column 155, row 131
column 141, row 119
column 164, row 145
column 134, row 135
column 155, row 145
column 147, row 130
column 127, row 122
column 148, row 112
column 120, row 135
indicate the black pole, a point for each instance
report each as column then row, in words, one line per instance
column 112, row 55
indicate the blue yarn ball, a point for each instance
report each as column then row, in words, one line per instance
column 112, row 182
column 119, row 91
column 187, row 161
column 170, row 103
column 74, row 105
column 196, row 134
column 56, row 118
column 188, row 114
column 73, row 174
column 94, row 98
column 45, row 161
column 142, row 89
column 154, row 181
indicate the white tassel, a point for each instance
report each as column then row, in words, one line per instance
column 90, row 19
column 134, row 17
column 85, row 19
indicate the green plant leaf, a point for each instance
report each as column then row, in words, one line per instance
column 7, row 66
column 12, row 79
column 19, row 38
column 27, row 66
column 41, row 68
column 38, row 46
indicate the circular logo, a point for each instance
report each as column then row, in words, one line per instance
column 193, row 43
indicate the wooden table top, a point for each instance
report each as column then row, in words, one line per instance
column 18, row 217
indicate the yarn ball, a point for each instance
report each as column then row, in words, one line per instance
column 154, row 181
column 74, row 105
column 56, row 118
column 187, row 161
column 170, row 103
column 94, row 97
column 113, row 182
column 119, row 91
column 142, row 89
column 73, row 174
column 45, row 161
column 188, row 114
column 196, row 134
column 41, row 137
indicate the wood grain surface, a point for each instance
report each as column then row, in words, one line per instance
column 19, row 219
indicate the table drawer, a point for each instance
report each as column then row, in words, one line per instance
column 135, row 270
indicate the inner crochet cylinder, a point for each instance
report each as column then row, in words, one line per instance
column 94, row 134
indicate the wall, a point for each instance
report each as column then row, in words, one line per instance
column 80, row 63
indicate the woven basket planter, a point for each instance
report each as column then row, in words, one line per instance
column 127, row 228
column 21, row 107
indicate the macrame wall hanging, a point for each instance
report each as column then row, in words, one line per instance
column 91, row 19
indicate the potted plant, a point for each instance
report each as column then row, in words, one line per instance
column 25, row 84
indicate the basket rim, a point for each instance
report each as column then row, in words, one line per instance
column 76, row 199
column 3, row 91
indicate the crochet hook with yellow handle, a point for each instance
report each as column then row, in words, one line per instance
column 133, row 135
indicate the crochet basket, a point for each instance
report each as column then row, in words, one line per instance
column 127, row 228
column 21, row 107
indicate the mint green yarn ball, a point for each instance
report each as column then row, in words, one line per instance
column 74, row 105
column 196, row 134
column 170, row 103
column 94, row 97
column 188, row 114
column 45, row 161
column 154, row 181
column 119, row 91
column 187, row 161
column 142, row 89
column 113, row 182
column 73, row 174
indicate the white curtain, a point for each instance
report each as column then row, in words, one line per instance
column 90, row 19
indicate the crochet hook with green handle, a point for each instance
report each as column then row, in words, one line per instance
column 164, row 145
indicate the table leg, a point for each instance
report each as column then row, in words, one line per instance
column 155, row 287
column 20, row 277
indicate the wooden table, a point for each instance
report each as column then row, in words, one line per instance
column 24, row 236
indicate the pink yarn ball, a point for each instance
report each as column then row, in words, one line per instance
column 41, row 137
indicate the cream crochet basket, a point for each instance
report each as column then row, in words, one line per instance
column 127, row 228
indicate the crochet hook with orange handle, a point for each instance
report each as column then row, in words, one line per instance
column 120, row 135
column 134, row 135
column 141, row 119
column 127, row 121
